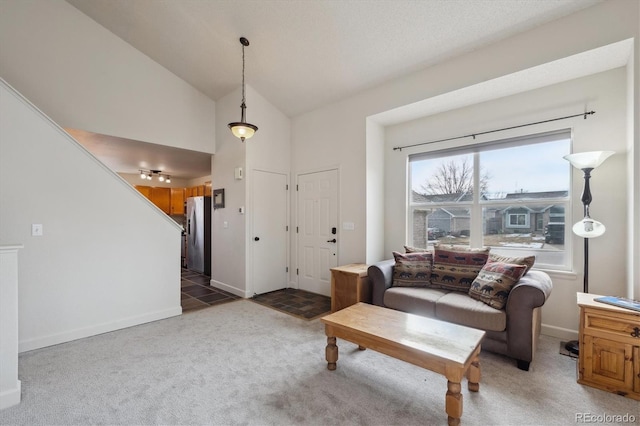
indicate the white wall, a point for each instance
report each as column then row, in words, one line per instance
column 108, row 258
column 268, row 150
column 337, row 134
column 606, row 94
column 228, row 245
column 84, row 77
column 98, row 267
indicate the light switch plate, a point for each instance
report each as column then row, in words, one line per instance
column 348, row 226
column 36, row 230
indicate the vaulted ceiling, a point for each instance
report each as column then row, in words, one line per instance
column 308, row 53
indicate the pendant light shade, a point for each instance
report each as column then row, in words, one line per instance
column 241, row 129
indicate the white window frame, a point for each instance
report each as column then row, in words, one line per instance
column 526, row 223
column 476, row 206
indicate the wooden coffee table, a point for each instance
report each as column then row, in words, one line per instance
column 448, row 349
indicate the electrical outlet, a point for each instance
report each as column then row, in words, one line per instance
column 36, row 230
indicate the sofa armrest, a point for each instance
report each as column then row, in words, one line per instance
column 523, row 313
column 381, row 277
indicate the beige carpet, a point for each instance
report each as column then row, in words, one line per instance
column 241, row 363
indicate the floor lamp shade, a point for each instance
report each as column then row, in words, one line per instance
column 588, row 160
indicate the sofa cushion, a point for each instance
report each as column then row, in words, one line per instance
column 527, row 261
column 495, row 281
column 461, row 309
column 455, row 267
column 412, row 269
column 414, row 300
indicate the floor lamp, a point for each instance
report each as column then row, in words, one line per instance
column 586, row 228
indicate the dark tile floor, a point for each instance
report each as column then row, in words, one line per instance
column 196, row 293
column 299, row 303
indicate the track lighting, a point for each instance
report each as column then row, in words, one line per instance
column 149, row 174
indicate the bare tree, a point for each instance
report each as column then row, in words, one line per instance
column 454, row 177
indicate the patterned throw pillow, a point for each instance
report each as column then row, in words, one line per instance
column 412, row 269
column 455, row 268
column 527, row 261
column 495, row 281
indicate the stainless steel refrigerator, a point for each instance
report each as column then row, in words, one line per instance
column 198, row 234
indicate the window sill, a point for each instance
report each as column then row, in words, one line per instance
column 565, row 275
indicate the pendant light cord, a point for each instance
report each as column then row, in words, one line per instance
column 243, row 99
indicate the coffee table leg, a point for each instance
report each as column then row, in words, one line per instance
column 331, row 353
column 453, row 403
column 473, row 375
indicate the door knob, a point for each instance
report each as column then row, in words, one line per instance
column 256, row 239
column 331, row 241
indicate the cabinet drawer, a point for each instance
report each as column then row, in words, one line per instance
column 620, row 325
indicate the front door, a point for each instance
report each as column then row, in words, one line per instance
column 317, row 230
column 270, row 232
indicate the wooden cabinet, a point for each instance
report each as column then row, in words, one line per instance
column 144, row 190
column 161, row 197
column 196, row 191
column 349, row 285
column 164, row 198
column 609, row 357
column 177, row 200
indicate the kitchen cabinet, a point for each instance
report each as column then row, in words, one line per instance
column 144, row 190
column 177, row 200
column 609, row 338
column 171, row 200
column 197, row 191
column 161, row 197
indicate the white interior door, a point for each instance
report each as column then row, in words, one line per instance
column 269, row 238
column 317, row 230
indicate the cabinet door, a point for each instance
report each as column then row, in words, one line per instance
column 636, row 369
column 161, row 197
column 608, row 363
column 144, row 190
column 177, row 200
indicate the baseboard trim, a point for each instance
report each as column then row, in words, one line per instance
column 80, row 333
column 559, row 332
column 227, row 287
column 11, row 397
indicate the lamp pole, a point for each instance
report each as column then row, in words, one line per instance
column 586, row 201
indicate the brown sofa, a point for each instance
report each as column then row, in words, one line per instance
column 512, row 331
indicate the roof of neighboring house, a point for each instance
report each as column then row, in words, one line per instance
column 536, row 195
column 441, row 198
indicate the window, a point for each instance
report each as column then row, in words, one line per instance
column 518, row 220
column 510, row 195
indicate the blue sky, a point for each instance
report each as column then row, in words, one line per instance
column 532, row 168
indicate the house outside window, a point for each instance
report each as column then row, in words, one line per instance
column 510, row 195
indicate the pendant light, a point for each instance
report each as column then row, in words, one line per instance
column 242, row 129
